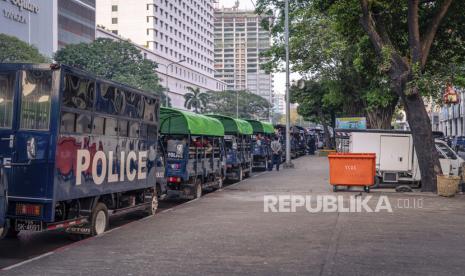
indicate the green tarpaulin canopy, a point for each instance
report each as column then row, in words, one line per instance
column 234, row 126
column 261, row 127
column 173, row 121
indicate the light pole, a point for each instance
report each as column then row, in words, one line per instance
column 166, row 76
column 237, row 104
column 288, row 163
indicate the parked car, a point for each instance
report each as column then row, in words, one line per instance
column 458, row 143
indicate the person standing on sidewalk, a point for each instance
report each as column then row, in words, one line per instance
column 276, row 151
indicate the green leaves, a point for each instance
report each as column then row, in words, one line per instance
column 13, row 50
column 115, row 60
column 195, row 100
column 251, row 106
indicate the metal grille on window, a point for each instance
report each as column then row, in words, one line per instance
column 35, row 102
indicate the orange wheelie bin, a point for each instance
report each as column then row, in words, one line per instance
column 352, row 169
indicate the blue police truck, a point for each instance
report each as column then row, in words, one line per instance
column 74, row 149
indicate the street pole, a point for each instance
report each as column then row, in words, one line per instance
column 288, row 163
column 167, row 85
column 237, row 104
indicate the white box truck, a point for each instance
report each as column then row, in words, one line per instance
column 396, row 160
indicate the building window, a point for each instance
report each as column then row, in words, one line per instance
column 114, row 8
column 114, row 20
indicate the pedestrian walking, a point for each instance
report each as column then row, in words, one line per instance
column 276, row 149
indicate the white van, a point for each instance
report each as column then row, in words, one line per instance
column 396, row 160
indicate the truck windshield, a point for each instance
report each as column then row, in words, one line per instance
column 36, row 98
column 7, row 81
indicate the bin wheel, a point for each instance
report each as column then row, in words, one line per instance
column 366, row 189
column 334, row 188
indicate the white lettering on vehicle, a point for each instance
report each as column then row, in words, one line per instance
column 103, row 167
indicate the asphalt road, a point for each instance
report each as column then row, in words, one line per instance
column 29, row 245
column 228, row 233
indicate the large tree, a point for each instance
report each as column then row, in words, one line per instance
column 316, row 104
column 115, row 60
column 13, row 50
column 250, row 106
column 418, row 42
column 319, row 51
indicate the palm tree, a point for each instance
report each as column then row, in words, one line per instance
column 195, row 99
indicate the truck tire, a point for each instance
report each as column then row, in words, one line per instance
column 99, row 219
column 249, row 172
column 220, row 182
column 198, row 188
column 8, row 232
column 153, row 207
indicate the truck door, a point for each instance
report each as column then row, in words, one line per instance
column 32, row 135
column 8, row 98
column 394, row 153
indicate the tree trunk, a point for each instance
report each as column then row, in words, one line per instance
column 420, row 125
column 381, row 117
column 327, row 136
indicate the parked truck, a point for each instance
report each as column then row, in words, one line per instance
column 74, row 149
column 396, row 159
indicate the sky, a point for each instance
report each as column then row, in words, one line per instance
column 279, row 78
column 244, row 4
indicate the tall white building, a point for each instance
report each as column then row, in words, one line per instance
column 239, row 40
column 178, row 31
column 279, row 103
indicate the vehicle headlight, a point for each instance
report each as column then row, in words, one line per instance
column 31, row 148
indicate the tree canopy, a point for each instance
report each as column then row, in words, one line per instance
column 251, row 106
column 195, row 99
column 13, row 50
column 345, row 66
column 115, row 60
column 379, row 51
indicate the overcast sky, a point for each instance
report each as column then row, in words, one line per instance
column 244, row 4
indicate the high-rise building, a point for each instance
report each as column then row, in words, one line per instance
column 49, row 25
column 239, row 40
column 279, row 103
column 180, row 32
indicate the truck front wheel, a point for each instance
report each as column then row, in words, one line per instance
column 99, row 219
